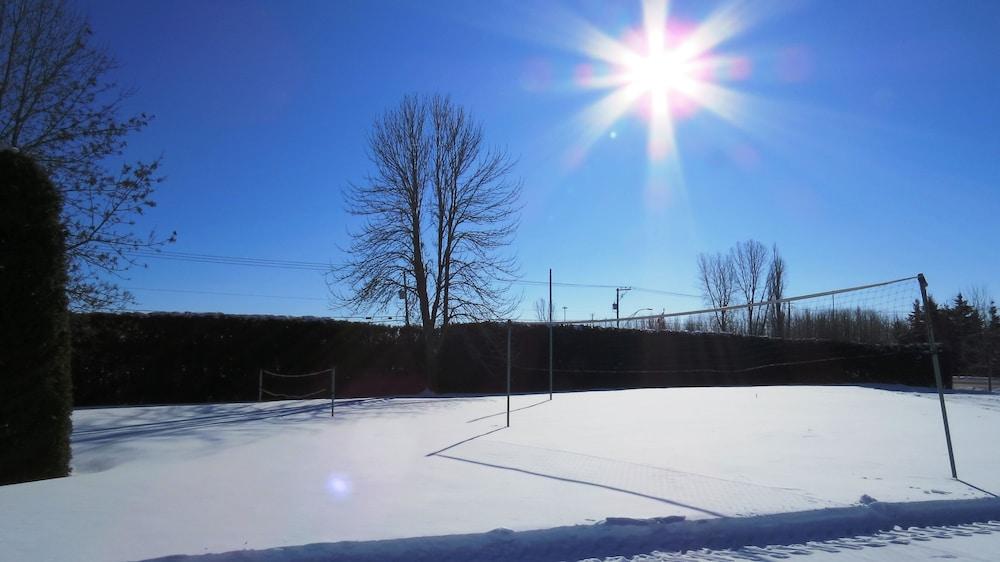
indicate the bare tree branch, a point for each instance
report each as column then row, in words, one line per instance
column 750, row 260
column 776, row 276
column 440, row 209
column 57, row 106
column 717, row 277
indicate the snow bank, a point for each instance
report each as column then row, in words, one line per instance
column 631, row 537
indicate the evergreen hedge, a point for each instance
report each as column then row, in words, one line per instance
column 35, row 381
column 165, row 358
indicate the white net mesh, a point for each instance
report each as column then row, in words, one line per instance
column 297, row 386
column 875, row 314
column 865, row 334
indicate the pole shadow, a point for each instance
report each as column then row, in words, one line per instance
column 453, row 445
column 974, row 487
column 585, row 483
column 505, row 411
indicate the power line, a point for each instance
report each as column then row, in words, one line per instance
column 235, row 258
column 232, row 260
column 224, row 293
column 594, row 286
column 325, row 267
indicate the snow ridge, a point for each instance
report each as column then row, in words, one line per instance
column 615, row 539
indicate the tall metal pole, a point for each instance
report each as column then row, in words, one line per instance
column 333, row 389
column 937, row 370
column 508, row 373
column 550, row 334
column 260, row 385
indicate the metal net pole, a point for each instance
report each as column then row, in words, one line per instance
column 508, row 373
column 928, row 321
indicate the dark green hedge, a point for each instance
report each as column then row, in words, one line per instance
column 184, row 358
column 35, row 382
column 180, row 358
column 588, row 358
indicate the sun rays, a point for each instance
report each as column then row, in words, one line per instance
column 663, row 71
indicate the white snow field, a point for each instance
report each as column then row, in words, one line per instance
column 279, row 478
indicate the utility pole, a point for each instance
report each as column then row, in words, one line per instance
column 617, row 305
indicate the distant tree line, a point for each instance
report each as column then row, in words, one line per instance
column 750, row 273
column 851, row 324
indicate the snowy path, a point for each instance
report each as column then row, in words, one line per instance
column 158, row 481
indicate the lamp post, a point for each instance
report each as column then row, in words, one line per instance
column 640, row 310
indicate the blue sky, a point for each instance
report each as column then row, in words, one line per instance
column 867, row 147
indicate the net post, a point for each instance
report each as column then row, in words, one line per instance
column 989, row 370
column 550, row 361
column 937, row 370
column 333, row 389
column 260, row 385
column 508, row 373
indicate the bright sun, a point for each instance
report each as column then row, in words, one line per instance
column 656, row 74
column 665, row 70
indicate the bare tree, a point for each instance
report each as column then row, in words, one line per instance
column 476, row 216
column 439, row 208
column 986, row 340
column 750, row 260
column 776, row 291
column 717, row 277
column 542, row 310
column 58, row 106
column 979, row 298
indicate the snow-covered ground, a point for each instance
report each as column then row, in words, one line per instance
column 157, row 481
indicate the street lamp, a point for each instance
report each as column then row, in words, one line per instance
column 638, row 311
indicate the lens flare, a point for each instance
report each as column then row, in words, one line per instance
column 663, row 71
column 339, row 486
